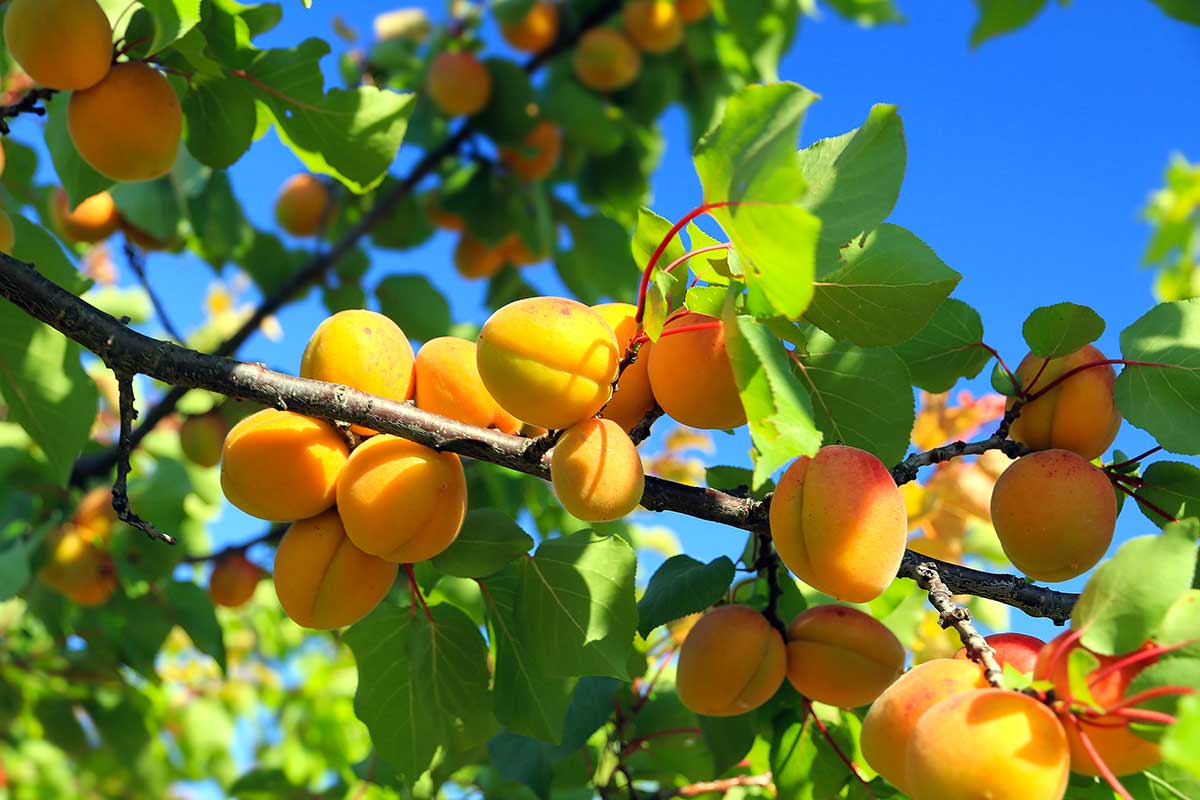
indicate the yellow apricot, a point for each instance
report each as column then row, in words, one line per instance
column 448, row 383
column 61, row 44
column 233, row 581
column 838, row 522
column 549, row 361
column 691, row 376
column 535, row 31
column 605, row 61
column 535, row 157
column 988, row 743
column 1078, row 414
column 93, row 220
column 127, row 126
column 302, row 204
column 400, row 500
column 891, row 719
column 459, row 83
column 202, row 437
column 1054, row 514
column 731, row 662
column 633, row 397
column 596, row 471
column 841, row 656
column 78, row 564
column 323, row 581
column 282, row 466
column 692, row 10
column 363, row 350
column 95, row 512
column 655, row 26
column 8, row 234
column 475, row 260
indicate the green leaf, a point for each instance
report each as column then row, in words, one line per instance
column 682, row 586
column 220, row 228
column 221, row 117
column 78, row 178
column 728, row 738
column 997, row 17
column 172, row 20
column 598, row 265
column 152, row 206
column 404, row 228
column 263, row 784
column 1184, row 10
column 591, row 706
column 487, row 542
column 1180, row 624
column 194, row 612
column 947, row 348
column 521, row 759
column 415, row 304
column 1164, row 400
column 1173, row 486
column 1004, row 382
column 419, row 682
column 14, row 564
column 1127, row 596
column 802, row 764
column 506, row 118
column 1181, row 745
column 1169, row 671
column 1053, row 331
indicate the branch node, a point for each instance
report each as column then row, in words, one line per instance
column 952, row 615
column 120, row 494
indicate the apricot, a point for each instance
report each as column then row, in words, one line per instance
column 323, row 581
column 302, row 204
column 282, row 466
column 841, row 656
column 633, row 397
column 475, row 260
column 1054, row 514
column 655, row 26
column 146, row 240
column 838, row 521
column 8, row 234
column 988, row 743
column 440, row 217
column 1078, row 414
column 691, row 376
column 731, row 662
column 448, row 383
column 517, row 252
column 61, row 44
column 596, row 471
column 127, row 126
column 535, row 157
column 535, row 31
column 95, row 512
column 78, row 565
column 549, row 361
column 1020, row 650
column 692, row 10
column 891, row 719
column 605, row 61
column 1123, row 751
column 202, row 437
column 233, row 581
column 400, row 500
column 459, row 83
column 93, row 220
column 363, row 350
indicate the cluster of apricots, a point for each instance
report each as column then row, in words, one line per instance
column 608, row 59
column 95, row 219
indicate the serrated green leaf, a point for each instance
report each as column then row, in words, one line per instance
column 415, row 304
column 1163, row 400
column 487, row 541
column 947, row 348
column 1173, row 486
column 1053, row 331
column 682, row 586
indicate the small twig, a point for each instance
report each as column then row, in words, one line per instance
column 137, row 262
column 641, row 432
column 120, row 495
column 906, row 470
column 952, row 615
column 272, row 534
column 26, row 105
column 1131, row 461
column 722, row 786
column 767, row 564
column 537, row 447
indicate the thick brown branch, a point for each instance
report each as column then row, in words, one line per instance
column 952, row 615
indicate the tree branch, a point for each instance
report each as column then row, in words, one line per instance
column 952, row 615
column 26, row 105
column 722, row 786
column 120, row 495
column 137, row 262
column 906, row 470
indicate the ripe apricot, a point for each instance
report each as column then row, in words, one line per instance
column 363, row 350
column 448, row 383
column 8, row 234
column 1017, row 649
column 233, row 581
column 1054, row 513
column 302, row 204
column 93, row 220
column 475, row 260
column 655, row 26
column 633, row 397
column 202, row 437
column 61, row 44
column 1078, row 414
column 459, row 83
column 535, row 157
column 95, row 512
column 731, row 662
column 535, row 31
column 596, row 471
column 323, row 581
column 838, row 522
column 127, row 126
column 692, row 10
column 604, row 60
column 691, row 376
column 549, row 361
column 78, row 565
column 841, row 656
column 400, row 500
column 992, row 743
column 282, row 466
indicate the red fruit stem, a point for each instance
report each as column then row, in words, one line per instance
column 832, row 743
column 1091, row 365
column 699, row 326
column 416, row 591
column 1144, row 502
column 1056, row 657
column 1128, row 480
column 1145, row 715
column 1041, row 369
column 1137, row 657
column 662, row 248
column 1101, row 766
column 686, row 256
column 1127, row 462
column 999, row 360
column 1150, row 694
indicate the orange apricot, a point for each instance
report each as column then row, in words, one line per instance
column 459, row 83
column 475, row 260
column 400, row 500
column 534, row 158
column 3, row 159
column 604, row 60
column 535, row 31
column 655, row 26
column 692, row 10
column 323, row 581
column 78, row 565
column 841, row 656
column 1078, row 414
column 302, row 204
column 1054, row 514
column 61, row 44
column 516, row 252
column 633, row 397
column 202, row 437
column 93, row 220
column 731, row 662
column 691, row 376
column 8, row 234
column 128, row 126
column 233, row 581
column 1020, row 650
column 448, row 383
column 596, row 471
column 95, row 512
column 838, row 522
column 549, row 361
column 282, row 466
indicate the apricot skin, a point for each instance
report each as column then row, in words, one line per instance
column 476, row 260
column 323, row 581
column 78, row 564
column 61, row 44
column 841, row 656
column 448, row 383
column 731, row 662
column 233, row 581
column 201, row 438
column 93, row 220
column 838, row 522
column 282, row 466
column 549, row 361
column 459, row 83
column 990, row 743
column 1020, row 650
column 692, row 378
column 605, row 61
column 128, row 126
column 1054, row 513
column 1079, row 414
column 401, row 501
column 633, row 397
column 596, row 471
column 655, row 26
column 535, row 157
column 692, row 10
column 8, row 234
column 536, row 31
column 891, row 719
column 301, row 205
